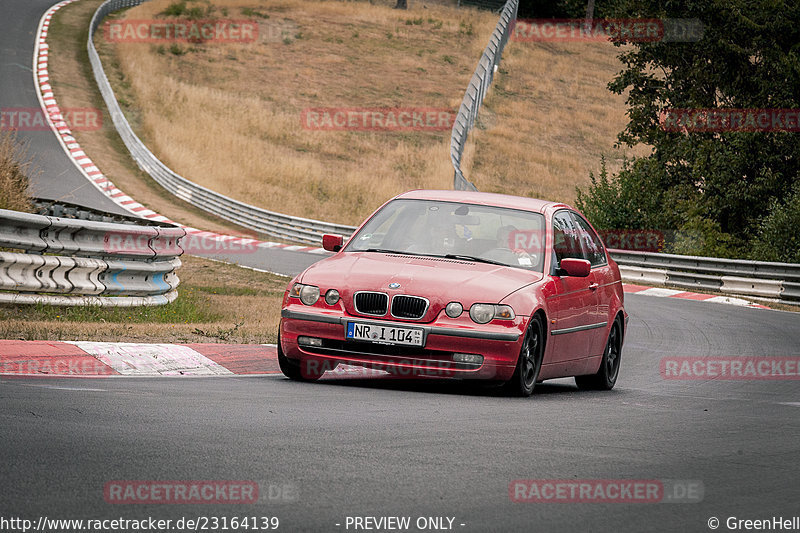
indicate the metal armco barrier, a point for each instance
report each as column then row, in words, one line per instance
column 476, row 91
column 732, row 276
column 62, row 209
column 88, row 262
column 263, row 221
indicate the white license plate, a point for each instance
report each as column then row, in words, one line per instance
column 360, row 331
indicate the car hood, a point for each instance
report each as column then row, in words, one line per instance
column 439, row 280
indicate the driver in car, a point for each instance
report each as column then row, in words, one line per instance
column 506, row 239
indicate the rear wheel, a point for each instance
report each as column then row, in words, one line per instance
column 529, row 362
column 606, row 376
column 293, row 369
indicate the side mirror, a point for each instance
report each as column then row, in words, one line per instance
column 578, row 268
column 333, row 243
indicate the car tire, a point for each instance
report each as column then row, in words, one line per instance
column 529, row 362
column 292, row 369
column 606, row 376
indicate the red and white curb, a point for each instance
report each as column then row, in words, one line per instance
column 90, row 171
column 126, row 359
column 684, row 295
column 83, row 358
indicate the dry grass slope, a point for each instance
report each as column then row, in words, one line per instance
column 228, row 115
column 548, row 120
column 14, row 168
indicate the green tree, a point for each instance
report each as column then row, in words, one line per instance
column 726, row 182
column 778, row 237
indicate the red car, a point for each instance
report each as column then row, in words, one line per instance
column 464, row 285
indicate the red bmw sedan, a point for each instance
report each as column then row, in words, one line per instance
column 461, row 285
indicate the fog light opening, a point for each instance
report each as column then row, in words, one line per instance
column 309, row 341
column 471, row 358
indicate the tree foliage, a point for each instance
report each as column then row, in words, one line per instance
column 778, row 237
column 721, row 184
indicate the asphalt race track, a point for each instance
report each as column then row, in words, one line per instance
column 383, row 447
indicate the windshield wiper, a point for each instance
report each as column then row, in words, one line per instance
column 473, row 258
column 387, row 251
column 445, row 256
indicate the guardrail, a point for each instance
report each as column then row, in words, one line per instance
column 476, row 91
column 61, row 209
column 733, row 276
column 263, row 221
column 87, row 262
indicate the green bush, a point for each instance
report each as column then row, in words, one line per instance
column 633, row 199
column 778, row 236
column 702, row 236
column 175, row 9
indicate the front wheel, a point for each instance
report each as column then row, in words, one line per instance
column 606, row 376
column 529, row 362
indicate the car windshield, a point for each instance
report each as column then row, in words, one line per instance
column 479, row 233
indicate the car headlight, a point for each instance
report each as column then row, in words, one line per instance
column 331, row 297
column 308, row 294
column 481, row 313
column 484, row 313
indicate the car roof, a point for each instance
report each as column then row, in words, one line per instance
column 482, row 198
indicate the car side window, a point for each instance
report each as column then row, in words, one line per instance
column 566, row 243
column 592, row 246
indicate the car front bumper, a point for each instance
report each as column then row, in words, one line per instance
column 499, row 345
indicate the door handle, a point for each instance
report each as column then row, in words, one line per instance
column 594, row 286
